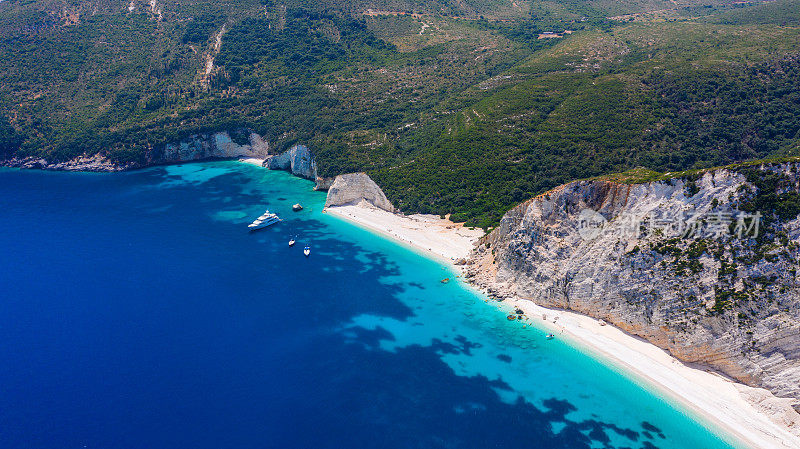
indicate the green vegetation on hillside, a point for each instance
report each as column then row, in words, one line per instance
column 779, row 12
column 10, row 139
column 563, row 122
column 200, row 28
column 461, row 109
column 310, row 45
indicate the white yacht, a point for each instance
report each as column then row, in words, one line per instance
column 307, row 251
column 266, row 219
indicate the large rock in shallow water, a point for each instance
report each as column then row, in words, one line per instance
column 357, row 188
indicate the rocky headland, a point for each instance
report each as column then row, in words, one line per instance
column 197, row 147
column 704, row 267
column 298, row 159
column 701, row 266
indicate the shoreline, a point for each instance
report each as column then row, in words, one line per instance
column 428, row 234
column 252, row 161
column 744, row 416
column 711, row 399
column 99, row 164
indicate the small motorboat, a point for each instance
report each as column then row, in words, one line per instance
column 550, row 336
column 266, row 219
column 297, row 207
column 307, row 251
column 292, row 242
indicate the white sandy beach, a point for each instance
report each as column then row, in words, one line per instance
column 252, row 161
column 733, row 407
column 429, row 233
column 709, row 395
column 728, row 405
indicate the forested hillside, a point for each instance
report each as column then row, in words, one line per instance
column 464, row 107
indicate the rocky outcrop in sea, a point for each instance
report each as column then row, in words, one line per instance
column 298, row 160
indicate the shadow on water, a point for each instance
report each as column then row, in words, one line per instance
column 331, row 267
column 408, row 397
column 432, row 407
column 196, row 333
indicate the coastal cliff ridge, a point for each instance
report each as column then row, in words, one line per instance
column 704, row 268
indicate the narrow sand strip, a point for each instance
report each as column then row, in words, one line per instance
column 252, row 161
column 713, row 398
column 429, row 233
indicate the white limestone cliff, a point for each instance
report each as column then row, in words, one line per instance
column 355, row 189
column 298, row 160
column 726, row 301
column 208, row 146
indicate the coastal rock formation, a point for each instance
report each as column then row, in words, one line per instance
column 208, row 146
column 95, row 163
column 218, row 145
column 705, row 268
column 298, row 160
column 356, row 188
column 323, row 183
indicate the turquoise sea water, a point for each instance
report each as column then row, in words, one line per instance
column 138, row 312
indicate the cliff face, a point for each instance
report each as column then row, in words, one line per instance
column 298, row 160
column 197, row 147
column 207, row 146
column 687, row 265
column 356, row 188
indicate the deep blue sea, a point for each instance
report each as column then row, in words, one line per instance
column 136, row 311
